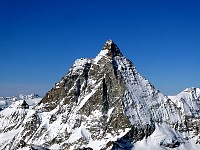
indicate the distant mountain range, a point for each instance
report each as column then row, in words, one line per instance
column 31, row 99
column 103, row 104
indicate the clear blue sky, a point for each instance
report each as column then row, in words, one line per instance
column 40, row 39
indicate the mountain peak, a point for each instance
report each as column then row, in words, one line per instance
column 103, row 103
column 109, row 41
column 112, row 48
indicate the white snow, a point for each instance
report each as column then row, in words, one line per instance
column 81, row 101
column 165, row 134
column 100, row 56
column 78, row 133
column 109, row 113
column 55, row 147
column 187, row 100
column 79, row 64
column 2, row 102
column 6, row 137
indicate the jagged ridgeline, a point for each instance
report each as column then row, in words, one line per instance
column 104, row 103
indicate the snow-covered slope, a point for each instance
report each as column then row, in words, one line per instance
column 188, row 101
column 103, row 103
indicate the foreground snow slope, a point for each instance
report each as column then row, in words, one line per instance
column 103, row 103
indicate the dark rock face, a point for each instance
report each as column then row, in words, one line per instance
column 135, row 134
column 24, row 105
column 105, row 98
column 172, row 144
column 73, row 80
column 113, row 49
column 38, row 148
column 85, row 148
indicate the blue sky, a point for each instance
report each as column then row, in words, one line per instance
column 39, row 40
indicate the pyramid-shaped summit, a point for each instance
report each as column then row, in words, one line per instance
column 104, row 103
column 102, row 65
column 106, row 98
column 112, row 48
